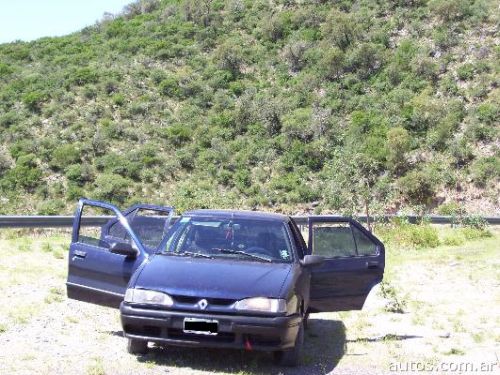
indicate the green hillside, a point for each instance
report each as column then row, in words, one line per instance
column 279, row 105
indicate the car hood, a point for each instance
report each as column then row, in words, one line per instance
column 213, row 278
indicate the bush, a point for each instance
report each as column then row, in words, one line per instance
column 450, row 10
column 112, row 188
column 465, row 72
column 488, row 113
column 474, row 221
column 332, row 64
column 294, row 54
column 118, row 99
column 170, row 87
column 476, row 233
column 419, row 186
column 6, row 161
column 80, row 173
column 177, row 134
column 33, row 100
column 454, row 239
column 50, row 207
column 64, row 155
column 403, row 234
column 341, row 28
column 398, row 145
column 451, row 209
column 25, row 174
column 83, row 76
column 485, row 169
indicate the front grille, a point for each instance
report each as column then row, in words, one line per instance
column 211, row 301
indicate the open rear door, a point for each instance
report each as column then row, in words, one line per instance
column 355, row 261
column 95, row 273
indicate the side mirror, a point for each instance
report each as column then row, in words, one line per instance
column 123, row 248
column 312, row 260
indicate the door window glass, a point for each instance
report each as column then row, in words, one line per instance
column 364, row 245
column 333, row 240
column 92, row 222
column 337, row 239
column 149, row 225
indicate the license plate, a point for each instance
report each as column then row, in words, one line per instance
column 201, row 326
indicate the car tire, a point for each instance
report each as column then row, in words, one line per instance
column 291, row 357
column 135, row 346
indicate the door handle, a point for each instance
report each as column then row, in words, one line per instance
column 372, row 265
column 80, row 254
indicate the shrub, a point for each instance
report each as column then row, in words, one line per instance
column 365, row 59
column 83, row 76
column 465, row 72
column 454, row 239
column 50, row 207
column 80, row 173
column 118, row 99
column 473, row 233
column 177, row 134
column 294, row 54
column 170, row 87
column 411, row 235
column 297, row 125
column 229, row 56
column 112, row 187
column 25, row 174
column 332, row 63
column 474, row 221
column 341, row 28
column 33, row 100
column 6, row 161
column 395, row 304
column 398, row 145
column 64, row 155
column 451, row 209
column 488, row 113
column 419, row 186
column 450, row 10
column 485, row 169
column 8, row 119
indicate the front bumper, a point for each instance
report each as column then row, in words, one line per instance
column 234, row 331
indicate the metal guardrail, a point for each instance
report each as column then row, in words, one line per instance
column 67, row 221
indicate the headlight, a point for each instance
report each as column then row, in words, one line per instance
column 262, row 304
column 149, row 297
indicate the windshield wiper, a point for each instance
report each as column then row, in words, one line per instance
column 194, row 254
column 231, row 251
column 186, row 253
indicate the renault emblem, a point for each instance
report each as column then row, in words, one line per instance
column 203, row 304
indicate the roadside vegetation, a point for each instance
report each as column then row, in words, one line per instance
column 437, row 304
column 345, row 106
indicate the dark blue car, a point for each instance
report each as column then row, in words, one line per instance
column 219, row 278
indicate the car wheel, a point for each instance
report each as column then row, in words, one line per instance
column 291, row 357
column 135, row 346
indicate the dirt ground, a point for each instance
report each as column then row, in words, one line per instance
column 448, row 320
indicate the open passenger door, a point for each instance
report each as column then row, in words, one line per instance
column 106, row 249
column 355, row 261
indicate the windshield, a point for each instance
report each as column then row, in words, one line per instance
column 242, row 239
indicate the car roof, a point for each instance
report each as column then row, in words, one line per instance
column 237, row 214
